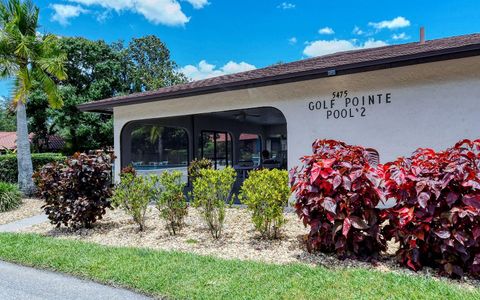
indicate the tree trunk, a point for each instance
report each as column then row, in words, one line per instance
column 24, row 157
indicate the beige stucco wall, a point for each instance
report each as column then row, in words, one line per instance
column 432, row 105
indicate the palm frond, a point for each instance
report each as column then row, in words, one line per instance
column 31, row 22
column 155, row 133
column 4, row 17
column 24, row 14
column 7, row 68
column 52, row 59
column 25, row 48
column 22, row 86
column 49, row 87
column 27, row 56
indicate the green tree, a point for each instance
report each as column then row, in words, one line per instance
column 97, row 70
column 28, row 57
column 39, row 120
column 150, row 66
column 94, row 71
column 7, row 118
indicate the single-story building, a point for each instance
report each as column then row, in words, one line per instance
column 393, row 99
column 8, row 142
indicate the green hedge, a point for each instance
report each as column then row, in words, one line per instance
column 8, row 164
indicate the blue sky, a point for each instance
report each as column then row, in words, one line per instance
column 214, row 37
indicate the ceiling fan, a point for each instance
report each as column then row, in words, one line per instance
column 242, row 115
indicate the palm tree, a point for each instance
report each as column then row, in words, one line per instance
column 29, row 58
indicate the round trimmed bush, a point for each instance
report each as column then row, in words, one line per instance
column 337, row 193
column 436, row 218
column 10, row 196
column 266, row 193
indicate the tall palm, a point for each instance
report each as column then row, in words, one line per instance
column 28, row 58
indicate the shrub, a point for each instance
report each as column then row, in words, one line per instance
column 437, row 215
column 196, row 165
column 337, row 192
column 128, row 169
column 10, row 196
column 8, row 164
column 134, row 193
column 211, row 192
column 76, row 192
column 266, row 193
column 172, row 203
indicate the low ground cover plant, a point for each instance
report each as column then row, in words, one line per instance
column 337, row 192
column 266, row 193
column 10, row 196
column 172, row 203
column 437, row 215
column 76, row 191
column 134, row 193
column 212, row 191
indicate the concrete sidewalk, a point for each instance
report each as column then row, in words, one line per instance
column 18, row 282
column 23, row 223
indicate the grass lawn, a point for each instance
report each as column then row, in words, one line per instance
column 187, row 276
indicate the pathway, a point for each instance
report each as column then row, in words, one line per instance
column 23, row 223
column 19, row 283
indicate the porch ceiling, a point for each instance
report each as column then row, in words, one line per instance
column 259, row 115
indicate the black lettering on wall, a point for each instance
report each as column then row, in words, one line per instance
column 342, row 106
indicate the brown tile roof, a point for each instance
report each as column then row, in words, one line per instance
column 8, row 141
column 342, row 63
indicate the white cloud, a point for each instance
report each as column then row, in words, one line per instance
column 400, row 36
column 292, row 40
column 103, row 16
column 166, row 12
column 323, row 47
column 233, row 67
column 371, row 43
column 198, row 4
column 205, row 70
column 63, row 13
column 116, row 5
column 286, row 5
column 398, row 22
column 326, row 30
column 356, row 30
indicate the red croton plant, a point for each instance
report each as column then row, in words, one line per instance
column 337, row 193
column 437, row 215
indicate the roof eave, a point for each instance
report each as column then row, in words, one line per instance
column 419, row 58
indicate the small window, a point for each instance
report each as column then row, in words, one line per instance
column 250, row 149
column 156, row 147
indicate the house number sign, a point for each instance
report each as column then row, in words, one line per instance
column 342, row 105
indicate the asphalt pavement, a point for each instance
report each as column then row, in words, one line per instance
column 18, row 282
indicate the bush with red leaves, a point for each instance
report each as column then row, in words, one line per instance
column 76, row 192
column 437, row 215
column 337, row 192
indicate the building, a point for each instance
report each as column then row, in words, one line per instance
column 393, row 99
column 8, row 142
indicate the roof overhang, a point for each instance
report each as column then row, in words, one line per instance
column 106, row 106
